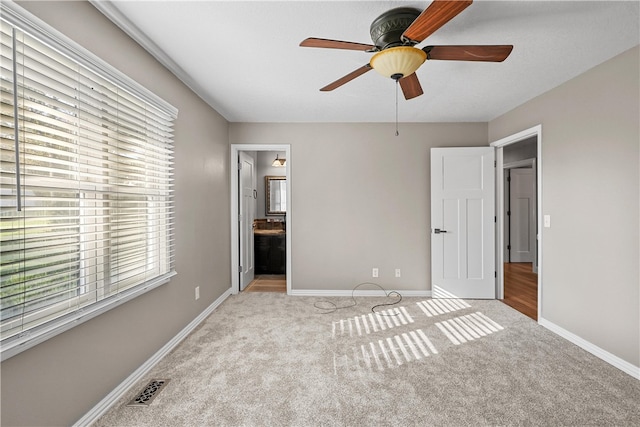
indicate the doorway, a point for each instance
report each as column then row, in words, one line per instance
column 520, row 264
column 274, row 227
column 519, row 197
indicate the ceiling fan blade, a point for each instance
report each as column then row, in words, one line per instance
column 335, row 44
column 497, row 53
column 433, row 17
column 411, row 86
column 352, row 75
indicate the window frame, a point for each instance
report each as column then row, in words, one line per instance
column 28, row 23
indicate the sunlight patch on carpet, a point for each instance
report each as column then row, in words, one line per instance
column 392, row 352
column 373, row 322
column 467, row 328
column 435, row 307
column 391, row 347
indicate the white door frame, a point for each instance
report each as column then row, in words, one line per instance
column 235, row 246
column 499, row 145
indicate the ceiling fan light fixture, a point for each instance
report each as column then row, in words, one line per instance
column 398, row 62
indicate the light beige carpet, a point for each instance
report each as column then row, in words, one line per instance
column 266, row 359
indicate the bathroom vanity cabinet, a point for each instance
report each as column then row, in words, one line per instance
column 270, row 251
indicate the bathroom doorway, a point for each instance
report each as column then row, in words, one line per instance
column 261, row 219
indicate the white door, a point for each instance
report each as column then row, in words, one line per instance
column 522, row 194
column 463, row 222
column 246, row 210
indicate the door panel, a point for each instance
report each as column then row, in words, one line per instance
column 450, row 222
column 523, row 216
column 474, row 216
column 247, row 208
column 461, row 172
column 462, row 222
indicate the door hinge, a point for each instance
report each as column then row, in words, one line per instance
column 495, row 274
column 508, row 179
column 509, row 247
column 239, row 166
column 495, row 219
column 508, row 213
column 495, row 163
column 240, row 268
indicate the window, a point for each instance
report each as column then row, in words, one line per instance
column 86, row 186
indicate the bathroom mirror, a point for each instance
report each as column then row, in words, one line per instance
column 276, row 195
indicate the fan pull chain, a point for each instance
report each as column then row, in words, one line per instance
column 397, row 133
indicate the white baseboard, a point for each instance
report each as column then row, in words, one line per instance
column 105, row 404
column 611, row 359
column 357, row 293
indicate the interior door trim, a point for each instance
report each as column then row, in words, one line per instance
column 233, row 172
column 499, row 145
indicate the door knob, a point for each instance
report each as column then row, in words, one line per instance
column 438, row 231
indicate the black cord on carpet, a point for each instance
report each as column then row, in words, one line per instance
column 332, row 307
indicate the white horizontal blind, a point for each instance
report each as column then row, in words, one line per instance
column 95, row 163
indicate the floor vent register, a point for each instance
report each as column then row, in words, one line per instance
column 146, row 396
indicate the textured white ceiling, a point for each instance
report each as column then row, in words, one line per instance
column 243, row 57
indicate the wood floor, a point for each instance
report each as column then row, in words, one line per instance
column 521, row 288
column 268, row 283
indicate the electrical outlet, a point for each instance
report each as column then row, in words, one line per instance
column 374, row 272
column 397, row 272
column 197, row 292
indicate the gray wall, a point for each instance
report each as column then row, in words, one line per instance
column 360, row 198
column 58, row 381
column 523, row 150
column 590, row 184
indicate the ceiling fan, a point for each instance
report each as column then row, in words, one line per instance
column 395, row 34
